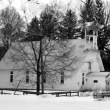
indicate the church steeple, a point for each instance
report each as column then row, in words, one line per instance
column 91, row 33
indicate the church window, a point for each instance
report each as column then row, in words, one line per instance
column 82, row 78
column 62, row 77
column 27, row 76
column 82, row 82
column 95, row 81
column 89, row 65
column 11, row 76
column 44, row 79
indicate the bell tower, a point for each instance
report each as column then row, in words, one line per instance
column 91, row 34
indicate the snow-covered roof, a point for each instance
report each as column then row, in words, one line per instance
column 79, row 47
column 90, row 26
column 98, row 74
column 93, row 26
column 88, row 23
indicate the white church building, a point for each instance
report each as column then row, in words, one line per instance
column 89, row 75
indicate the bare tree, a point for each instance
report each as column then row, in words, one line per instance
column 56, row 57
column 11, row 28
column 38, row 52
column 12, row 25
column 42, row 55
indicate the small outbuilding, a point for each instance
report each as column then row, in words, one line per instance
column 97, row 80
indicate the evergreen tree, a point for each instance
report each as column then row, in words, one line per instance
column 67, row 25
column 12, row 25
column 100, row 19
column 33, row 30
column 48, row 22
column 38, row 29
column 11, row 30
column 33, row 27
column 103, row 45
column 87, row 11
column 87, row 14
column 99, row 12
column 103, row 35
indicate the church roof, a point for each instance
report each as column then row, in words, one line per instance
column 92, row 26
column 98, row 74
column 80, row 48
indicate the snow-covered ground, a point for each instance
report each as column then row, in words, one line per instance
column 49, row 102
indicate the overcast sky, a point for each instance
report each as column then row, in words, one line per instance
column 32, row 6
column 35, row 8
column 17, row 3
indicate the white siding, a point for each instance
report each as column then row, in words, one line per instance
column 17, row 76
column 96, row 86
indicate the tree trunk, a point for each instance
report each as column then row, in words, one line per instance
column 38, row 83
column 42, row 83
column 42, row 76
column 38, row 72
